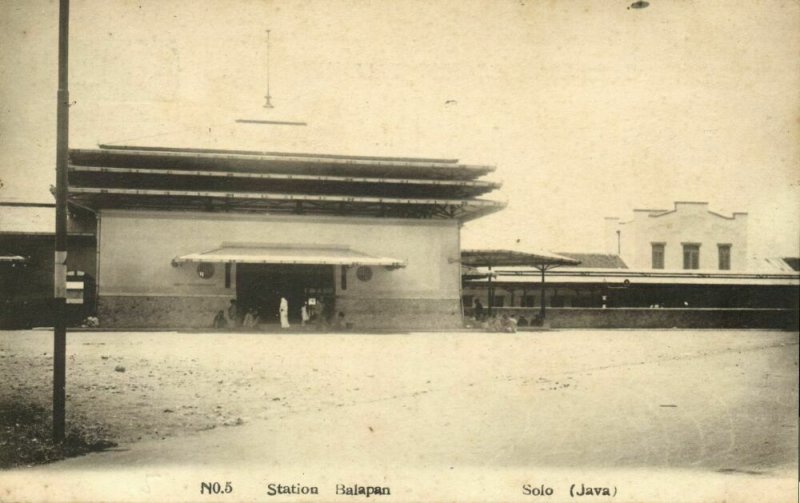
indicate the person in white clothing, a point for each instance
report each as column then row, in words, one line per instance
column 304, row 317
column 284, row 312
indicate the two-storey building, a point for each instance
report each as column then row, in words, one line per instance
column 688, row 237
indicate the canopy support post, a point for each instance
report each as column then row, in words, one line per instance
column 541, row 308
column 491, row 293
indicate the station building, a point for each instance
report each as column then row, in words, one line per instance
column 182, row 232
column 686, row 267
column 688, row 237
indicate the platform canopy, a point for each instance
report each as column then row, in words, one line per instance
column 507, row 258
column 255, row 253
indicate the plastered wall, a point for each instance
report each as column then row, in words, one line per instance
column 137, row 248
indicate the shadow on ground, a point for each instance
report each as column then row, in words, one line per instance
column 26, row 436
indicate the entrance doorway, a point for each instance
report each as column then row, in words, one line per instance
column 261, row 286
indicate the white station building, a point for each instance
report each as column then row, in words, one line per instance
column 182, row 232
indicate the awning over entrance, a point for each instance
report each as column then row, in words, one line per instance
column 6, row 257
column 255, row 253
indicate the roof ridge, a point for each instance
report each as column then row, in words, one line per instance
column 188, row 150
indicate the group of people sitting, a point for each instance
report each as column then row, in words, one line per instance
column 236, row 317
column 229, row 318
column 250, row 318
column 502, row 323
column 505, row 323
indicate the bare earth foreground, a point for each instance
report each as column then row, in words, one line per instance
column 652, row 415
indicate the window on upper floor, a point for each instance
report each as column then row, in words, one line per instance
column 658, row 255
column 724, row 257
column 691, row 256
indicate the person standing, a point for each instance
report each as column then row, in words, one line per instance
column 478, row 310
column 234, row 316
column 304, row 317
column 284, row 313
column 320, row 311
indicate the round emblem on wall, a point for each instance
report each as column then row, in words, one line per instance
column 205, row 270
column 364, row 273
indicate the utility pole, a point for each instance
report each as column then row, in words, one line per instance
column 60, row 263
column 268, row 103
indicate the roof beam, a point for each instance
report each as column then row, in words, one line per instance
column 200, row 154
column 476, row 203
column 484, row 184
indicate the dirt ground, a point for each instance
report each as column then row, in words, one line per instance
column 713, row 401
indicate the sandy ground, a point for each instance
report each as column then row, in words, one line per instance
column 634, row 405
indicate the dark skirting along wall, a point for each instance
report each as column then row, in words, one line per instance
column 401, row 314
column 158, row 311
column 198, row 312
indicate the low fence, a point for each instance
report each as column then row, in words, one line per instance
column 569, row 317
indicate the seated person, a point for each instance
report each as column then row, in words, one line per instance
column 250, row 319
column 512, row 324
column 506, row 324
column 219, row 320
column 340, row 323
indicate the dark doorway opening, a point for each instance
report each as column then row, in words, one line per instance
column 261, row 286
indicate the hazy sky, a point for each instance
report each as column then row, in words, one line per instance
column 588, row 109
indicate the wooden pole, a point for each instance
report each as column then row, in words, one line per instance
column 60, row 256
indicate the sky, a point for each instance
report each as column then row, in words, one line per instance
column 587, row 109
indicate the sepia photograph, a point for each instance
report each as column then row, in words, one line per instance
column 399, row 250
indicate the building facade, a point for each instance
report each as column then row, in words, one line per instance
column 144, row 282
column 688, row 237
column 371, row 241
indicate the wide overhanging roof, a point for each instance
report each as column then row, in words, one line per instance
column 260, row 253
column 276, row 162
column 505, row 258
column 249, row 181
